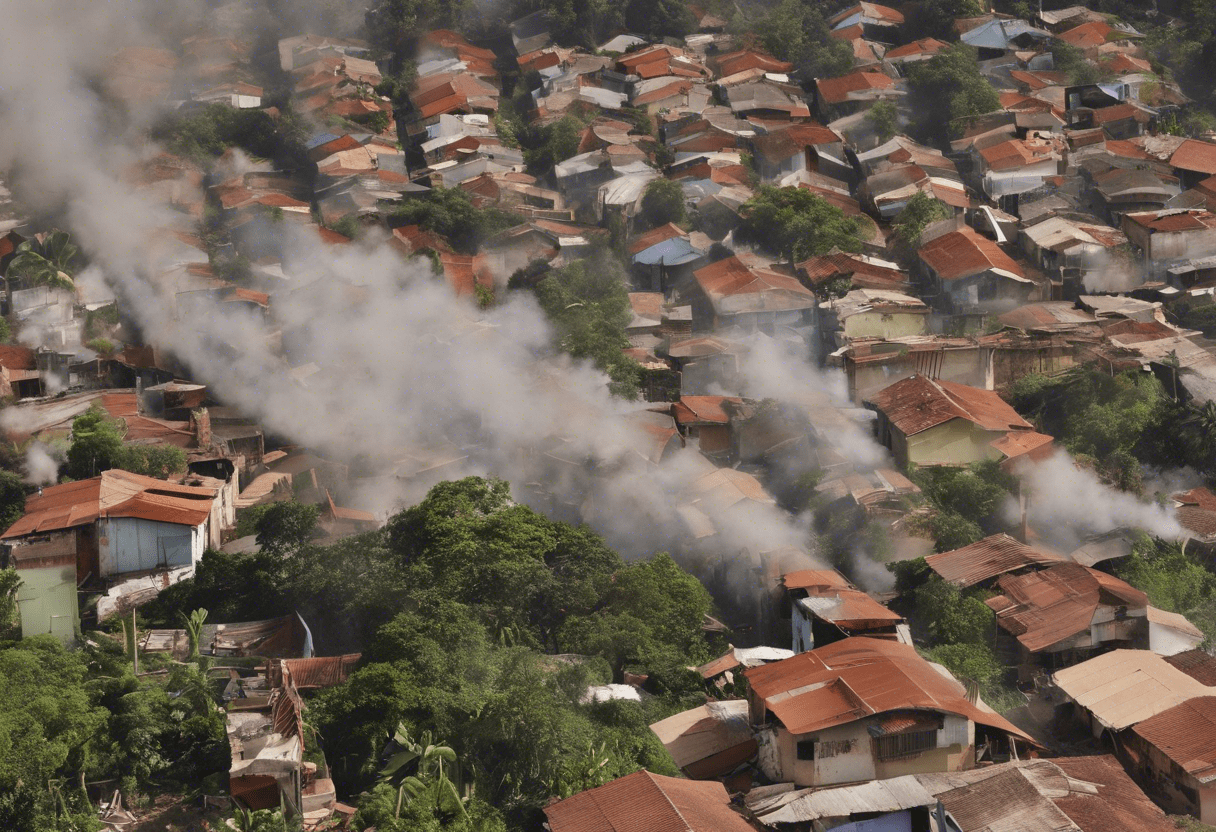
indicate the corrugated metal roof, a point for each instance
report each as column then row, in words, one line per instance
column 837, row 90
column 1044, row 608
column 815, row 579
column 918, row 403
column 1186, row 734
column 893, row 795
column 857, row 677
column 732, row 288
column 848, row 607
column 1118, row 803
column 645, row 802
column 986, row 558
column 113, row 493
column 964, row 253
column 696, row 410
column 701, row 732
column 1197, row 664
column 1125, row 687
column 321, row 672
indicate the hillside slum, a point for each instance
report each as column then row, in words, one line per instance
column 899, row 343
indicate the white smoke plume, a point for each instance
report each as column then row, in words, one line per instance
column 41, row 464
column 1067, row 503
column 401, row 370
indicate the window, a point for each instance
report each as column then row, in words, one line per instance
column 806, row 750
column 904, row 745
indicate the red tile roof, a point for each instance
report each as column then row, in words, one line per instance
column 114, row 493
column 765, row 289
column 781, row 144
column 917, row 403
column 965, row 253
column 1186, row 734
column 1044, row 608
column 1119, row 112
column 860, row 677
column 464, row 274
column 1025, row 444
column 987, row 558
column 17, row 358
column 645, row 802
column 836, row 90
column 871, row 10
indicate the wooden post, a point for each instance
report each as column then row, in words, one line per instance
column 134, row 643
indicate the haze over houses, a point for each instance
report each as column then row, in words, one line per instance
column 658, row 416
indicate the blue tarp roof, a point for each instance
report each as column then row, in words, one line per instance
column 674, row 252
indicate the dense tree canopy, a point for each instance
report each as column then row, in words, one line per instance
column 797, row 224
column 449, row 212
column 947, row 91
column 797, row 31
column 921, row 211
column 588, row 304
column 663, row 202
column 482, row 622
column 97, row 445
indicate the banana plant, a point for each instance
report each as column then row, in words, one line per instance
column 194, row 630
column 430, row 763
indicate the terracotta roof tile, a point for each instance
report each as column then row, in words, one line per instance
column 655, row 236
column 696, row 410
column 1197, row 664
column 1119, row 803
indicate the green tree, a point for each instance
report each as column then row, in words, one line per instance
column 935, row 18
column 884, row 118
column 12, row 498
column 1072, row 62
column 796, row 223
column 921, row 211
column 553, row 143
column 947, row 91
column 663, row 202
column 450, row 213
column 952, row 616
column 1173, row 580
column 797, row 31
column 587, row 302
column 48, row 725
column 49, row 260
column 96, row 444
column 658, row 19
column 10, row 582
column 286, row 526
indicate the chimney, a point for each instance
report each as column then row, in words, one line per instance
column 201, row 420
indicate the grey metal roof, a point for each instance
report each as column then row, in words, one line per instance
column 893, row 795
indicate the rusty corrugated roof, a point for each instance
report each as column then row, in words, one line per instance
column 696, row 410
column 113, row 493
column 964, row 253
column 645, row 802
column 1118, row 804
column 861, row 677
column 1044, row 608
column 1197, row 664
column 815, row 579
column 918, row 403
column 1186, row 734
column 987, row 558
